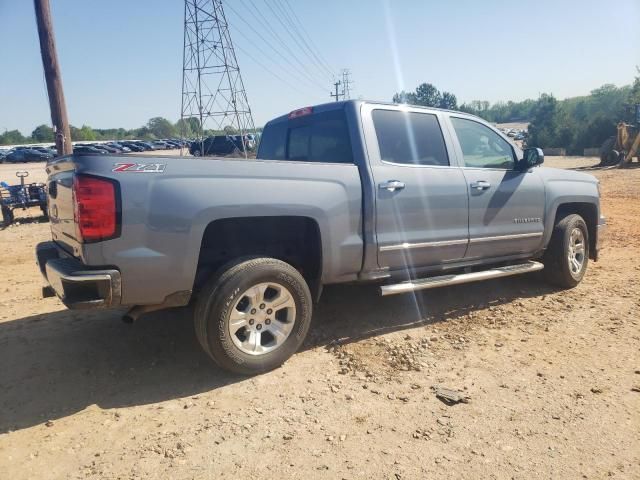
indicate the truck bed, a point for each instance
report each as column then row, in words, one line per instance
column 166, row 203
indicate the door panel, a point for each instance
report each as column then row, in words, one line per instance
column 424, row 223
column 505, row 218
column 421, row 201
column 506, row 206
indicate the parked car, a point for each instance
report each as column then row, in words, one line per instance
column 88, row 149
column 133, row 146
column 26, row 155
column 108, row 148
column 412, row 198
column 217, row 145
column 145, row 145
column 120, row 147
column 173, row 144
column 47, row 150
column 160, row 145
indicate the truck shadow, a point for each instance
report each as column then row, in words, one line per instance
column 59, row 363
column 353, row 313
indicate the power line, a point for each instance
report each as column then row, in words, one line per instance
column 268, row 70
column 305, row 71
column 311, row 42
column 310, row 82
column 288, row 30
column 260, row 17
column 313, row 56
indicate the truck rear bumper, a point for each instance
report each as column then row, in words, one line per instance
column 77, row 285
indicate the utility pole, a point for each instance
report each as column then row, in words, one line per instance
column 338, row 94
column 53, row 78
column 347, row 82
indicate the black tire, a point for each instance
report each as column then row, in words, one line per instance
column 219, row 296
column 557, row 265
column 7, row 216
column 605, row 151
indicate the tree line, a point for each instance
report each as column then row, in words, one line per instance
column 155, row 128
column 574, row 123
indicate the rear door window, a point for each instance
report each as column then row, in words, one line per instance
column 410, row 138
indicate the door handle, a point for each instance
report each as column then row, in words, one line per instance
column 481, row 185
column 392, row 185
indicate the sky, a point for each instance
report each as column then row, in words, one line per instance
column 121, row 60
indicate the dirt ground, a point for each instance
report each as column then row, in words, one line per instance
column 553, row 379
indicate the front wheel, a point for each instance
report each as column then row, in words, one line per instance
column 254, row 315
column 567, row 256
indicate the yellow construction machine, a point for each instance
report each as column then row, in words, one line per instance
column 621, row 149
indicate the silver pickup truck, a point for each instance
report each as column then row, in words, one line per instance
column 407, row 197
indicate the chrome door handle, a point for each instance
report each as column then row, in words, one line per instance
column 392, row 185
column 481, row 185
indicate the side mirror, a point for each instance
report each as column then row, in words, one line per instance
column 531, row 158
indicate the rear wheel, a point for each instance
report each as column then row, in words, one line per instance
column 254, row 315
column 567, row 256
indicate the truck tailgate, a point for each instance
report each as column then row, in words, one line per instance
column 60, row 185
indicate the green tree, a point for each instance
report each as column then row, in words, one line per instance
column 448, row 100
column 543, row 126
column 405, row 98
column 160, row 127
column 189, row 127
column 12, row 137
column 427, row 95
column 43, row 133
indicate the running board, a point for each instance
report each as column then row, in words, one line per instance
column 444, row 280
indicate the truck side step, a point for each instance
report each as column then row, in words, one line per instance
column 444, row 280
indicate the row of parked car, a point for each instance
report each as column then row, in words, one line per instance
column 126, row 146
column 515, row 133
column 44, row 153
column 210, row 146
column 27, row 154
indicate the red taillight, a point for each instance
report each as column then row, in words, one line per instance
column 95, row 208
column 301, row 112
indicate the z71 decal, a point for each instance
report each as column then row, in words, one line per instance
column 139, row 167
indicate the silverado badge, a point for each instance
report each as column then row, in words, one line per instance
column 527, row 220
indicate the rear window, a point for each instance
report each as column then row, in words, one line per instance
column 321, row 137
column 410, row 138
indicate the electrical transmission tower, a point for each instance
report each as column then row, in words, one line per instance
column 213, row 94
column 346, row 84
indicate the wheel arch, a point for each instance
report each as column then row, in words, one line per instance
column 587, row 210
column 296, row 240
